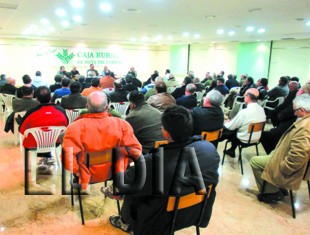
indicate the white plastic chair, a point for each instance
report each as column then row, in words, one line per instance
column 120, row 107
column 277, row 101
column 108, row 90
column 58, row 101
column 199, row 96
column 16, row 125
column 45, row 138
column 8, row 109
column 72, row 114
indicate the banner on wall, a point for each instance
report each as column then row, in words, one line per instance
column 78, row 56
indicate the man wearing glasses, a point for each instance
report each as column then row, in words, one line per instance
column 285, row 167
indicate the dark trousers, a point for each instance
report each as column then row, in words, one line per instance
column 232, row 136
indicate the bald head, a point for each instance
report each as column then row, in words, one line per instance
column 252, row 95
column 97, row 102
column 10, row 80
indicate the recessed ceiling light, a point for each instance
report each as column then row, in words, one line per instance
column 196, row 35
column 77, row 18
column 261, row 30
column 308, row 23
column 185, row 34
column 250, row 29
column 44, row 21
column 60, row 12
column 77, row 3
column 106, row 7
column 65, row 23
column 209, row 17
column 231, row 33
column 220, row 31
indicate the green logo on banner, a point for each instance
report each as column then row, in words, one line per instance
column 64, row 57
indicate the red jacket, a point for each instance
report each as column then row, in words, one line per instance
column 97, row 132
column 42, row 115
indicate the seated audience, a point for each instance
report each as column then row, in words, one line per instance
column 38, row 80
column 210, row 117
column 242, row 80
column 171, row 83
column 189, row 100
column 64, row 90
column 103, row 132
column 9, row 87
column 285, row 167
column 27, row 82
column 161, row 100
column 106, row 81
column 92, row 72
column 231, row 81
column 180, row 91
column 262, row 88
column 145, row 121
column 83, row 82
column 153, row 76
column 45, row 114
column 280, row 90
column 149, row 86
column 142, row 213
column 207, row 80
column 220, row 86
column 119, row 94
column 151, row 91
column 26, row 102
column 249, row 83
column 199, row 86
column 237, row 128
column 57, row 84
column 129, row 86
column 74, row 100
column 2, row 80
column 95, row 82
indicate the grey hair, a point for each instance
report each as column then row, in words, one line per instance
column 196, row 80
column 215, row 97
column 158, row 79
column 191, row 88
column 302, row 101
column 97, row 107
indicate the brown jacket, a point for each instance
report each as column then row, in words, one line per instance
column 288, row 163
column 161, row 101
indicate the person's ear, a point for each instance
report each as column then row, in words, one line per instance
column 131, row 105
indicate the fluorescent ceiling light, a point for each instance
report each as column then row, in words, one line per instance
column 44, row 21
column 60, row 12
column 77, row 3
column 261, row 30
column 185, row 34
column 250, row 29
column 220, row 31
column 105, row 7
column 65, row 23
column 231, row 33
column 308, row 23
column 77, row 18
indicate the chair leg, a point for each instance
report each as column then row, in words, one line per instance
column 257, row 149
column 292, row 204
column 81, row 206
column 240, row 159
column 308, row 182
column 118, row 207
column 224, row 152
column 197, row 230
column 263, row 187
column 72, row 199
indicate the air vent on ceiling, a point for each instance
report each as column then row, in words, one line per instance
column 287, row 38
column 4, row 5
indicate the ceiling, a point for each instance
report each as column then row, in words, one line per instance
column 157, row 21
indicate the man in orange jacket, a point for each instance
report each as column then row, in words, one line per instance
column 97, row 131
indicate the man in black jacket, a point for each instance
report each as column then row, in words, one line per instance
column 144, row 212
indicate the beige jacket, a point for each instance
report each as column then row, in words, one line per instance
column 161, row 101
column 288, row 163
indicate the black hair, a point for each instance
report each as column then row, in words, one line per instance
column 107, row 72
column 264, row 81
column 95, row 82
column 161, row 87
column 57, row 78
column 26, row 79
column 250, row 79
column 136, row 98
column 38, row 73
column 43, row 94
column 167, row 70
column 230, row 76
column 75, row 87
column 283, row 80
column 296, row 79
column 187, row 80
column 26, row 90
column 118, row 85
column 222, row 80
column 2, row 76
column 65, row 82
column 129, row 78
column 178, row 122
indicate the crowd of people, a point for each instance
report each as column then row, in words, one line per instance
column 163, row 109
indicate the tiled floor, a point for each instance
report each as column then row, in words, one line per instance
column 236, row 210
